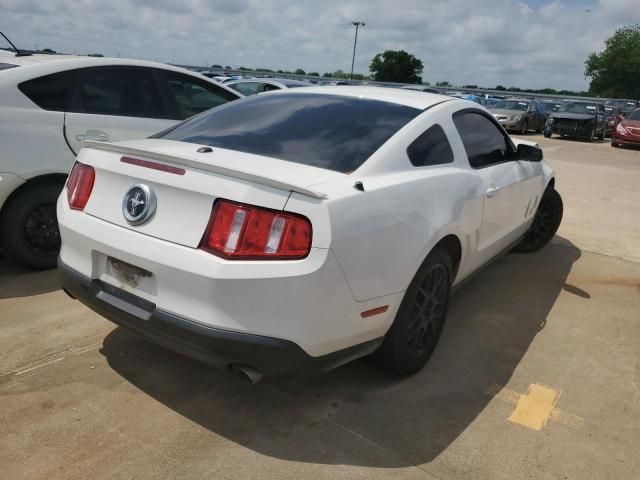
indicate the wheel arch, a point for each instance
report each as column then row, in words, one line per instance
column 452, row 245
column 48, row 179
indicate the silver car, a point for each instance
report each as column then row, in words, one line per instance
column 519, row 115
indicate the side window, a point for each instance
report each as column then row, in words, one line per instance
column 270, row 88
column 483, row 141
column 193, row 96
column 430, row 148
column 130, row 92
column 50, row 92
column 247, row 88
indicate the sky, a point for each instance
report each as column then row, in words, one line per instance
column 522, row 43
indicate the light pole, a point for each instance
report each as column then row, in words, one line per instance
column 355, row 41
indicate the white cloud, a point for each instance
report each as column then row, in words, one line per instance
column 506, row 42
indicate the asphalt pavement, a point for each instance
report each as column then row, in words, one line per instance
column 537, row 375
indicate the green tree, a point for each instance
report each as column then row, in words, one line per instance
column 313, row 74
column 215, row 65
column 500, row 87
column 95, row 55
column 300, row 71
column 615, row 71
column 47, row 50
column 396, row 66
column 443, row 84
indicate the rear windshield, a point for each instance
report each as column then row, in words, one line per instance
column 327, row 131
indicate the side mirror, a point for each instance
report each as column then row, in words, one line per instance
column 529, row 153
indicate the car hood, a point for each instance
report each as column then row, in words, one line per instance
column 501, row 111
column 572, row 116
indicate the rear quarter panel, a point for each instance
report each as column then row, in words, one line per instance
column 381, row 236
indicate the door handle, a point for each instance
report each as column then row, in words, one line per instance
column 491, row 192
column 101, row 137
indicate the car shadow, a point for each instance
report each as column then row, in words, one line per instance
column 406, row 421
column 18, row 281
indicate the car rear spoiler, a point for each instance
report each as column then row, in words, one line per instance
column 207, row 167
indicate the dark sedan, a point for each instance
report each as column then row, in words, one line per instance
column 586, row 120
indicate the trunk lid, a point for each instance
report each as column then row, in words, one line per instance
column 185, row 194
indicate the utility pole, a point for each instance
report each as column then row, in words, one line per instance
column 355, row 41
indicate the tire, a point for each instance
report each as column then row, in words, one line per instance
column 29, row 232
column 547, row 133
column 524, row 128
column 601, row 136
column 545, row 223
column 591, row 136
column 414, row 334
column 615, row 145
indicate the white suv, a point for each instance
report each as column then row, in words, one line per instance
column 50, row 104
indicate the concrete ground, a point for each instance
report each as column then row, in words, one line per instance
column 537, row 375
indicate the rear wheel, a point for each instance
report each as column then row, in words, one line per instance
column 29, row 228
column 416, row 329
column 547, row 133
column 615, row 145
column 601, row 136
column 545, row 223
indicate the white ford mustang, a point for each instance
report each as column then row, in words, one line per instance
column 294, row 231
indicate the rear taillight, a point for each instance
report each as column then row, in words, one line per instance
column 238, row 231
column 79, row 185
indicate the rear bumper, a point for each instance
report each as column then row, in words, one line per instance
column 275, row 358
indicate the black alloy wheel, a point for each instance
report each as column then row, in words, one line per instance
column 417, row 327
column 41, row 230
column 29, row 233
column 545, row 223
column 428, row 312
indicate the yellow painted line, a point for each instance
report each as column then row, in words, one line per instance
column 536, row 407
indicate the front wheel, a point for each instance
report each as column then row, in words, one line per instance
column 29, row 229
column 547, row 133
column 416, row 329
column 545, row 223
column 524, row 128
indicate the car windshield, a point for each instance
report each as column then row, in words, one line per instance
column 550, row 107
column 511, row 105
column 635, row 115
column 328, row 131
column 587, row 108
